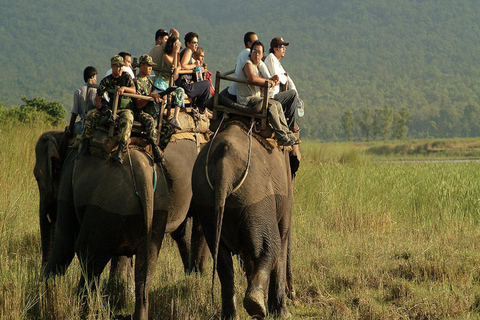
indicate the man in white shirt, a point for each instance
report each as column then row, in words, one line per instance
column 249, row 38
column 83, row 101
column 127, row 59
column 288, row 98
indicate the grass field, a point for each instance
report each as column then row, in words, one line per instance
column 371, row 240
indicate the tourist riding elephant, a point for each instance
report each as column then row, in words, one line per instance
column 243, row 195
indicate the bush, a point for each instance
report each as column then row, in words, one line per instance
column 35, row 110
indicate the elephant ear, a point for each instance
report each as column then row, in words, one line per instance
column 295, row 158
column 53, row 156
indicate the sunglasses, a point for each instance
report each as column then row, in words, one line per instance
column 194, row 42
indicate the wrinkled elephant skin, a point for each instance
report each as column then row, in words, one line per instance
column 255, row 219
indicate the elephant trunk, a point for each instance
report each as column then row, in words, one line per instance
column 223, row 186
column 47, row 227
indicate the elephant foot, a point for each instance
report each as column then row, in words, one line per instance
column 281, row 312
column 254, row 303
column 285, row 314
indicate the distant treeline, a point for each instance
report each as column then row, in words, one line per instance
column 343, row 54
column 386, row 123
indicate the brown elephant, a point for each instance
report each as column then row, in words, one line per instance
column 243, row 195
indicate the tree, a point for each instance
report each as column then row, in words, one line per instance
column 35, row 110
column 365, row 122
column 448, row 123
column 471, row 120
column 400, row 122
column 348, row 123
column 54, row 111
column 382, row 122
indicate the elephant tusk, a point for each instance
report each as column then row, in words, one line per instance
column 48, row 218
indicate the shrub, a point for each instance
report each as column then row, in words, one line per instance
column 35, row 110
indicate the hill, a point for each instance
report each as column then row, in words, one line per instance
column 343, row 54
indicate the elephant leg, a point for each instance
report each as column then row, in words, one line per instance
column 92, row 266
column 276, row 291
column 224, row 268
column 276, row 294
column 263, row 251
column 121, row 275
column 198, row 248
column 181, row 236
column 289, row 287
column 227, row 281
column 144, row 270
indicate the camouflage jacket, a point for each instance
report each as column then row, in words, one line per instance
column 145, row 87
column 109, row 83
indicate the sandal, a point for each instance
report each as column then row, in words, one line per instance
column 174, row 122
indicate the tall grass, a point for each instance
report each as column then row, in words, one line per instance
column 371, row 240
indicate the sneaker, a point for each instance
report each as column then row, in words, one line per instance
column 174, row 122
column 285, row 142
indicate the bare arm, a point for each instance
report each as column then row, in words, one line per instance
column 130, row 89
column 169, row 61
column 248, row 69
column 186, row 58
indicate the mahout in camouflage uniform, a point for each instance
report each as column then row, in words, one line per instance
column 120, row 82
column 147, row 111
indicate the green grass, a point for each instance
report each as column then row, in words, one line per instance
column 371, row 240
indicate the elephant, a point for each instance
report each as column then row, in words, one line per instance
column 243, row 196
column 120, row 210
column 57, row 195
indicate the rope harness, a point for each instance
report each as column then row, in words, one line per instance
column 132, row 171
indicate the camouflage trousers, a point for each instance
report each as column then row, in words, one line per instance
column 124, row 123
column 166, row 133
column 147, row 120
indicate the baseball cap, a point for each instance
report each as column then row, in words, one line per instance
column 278, row 42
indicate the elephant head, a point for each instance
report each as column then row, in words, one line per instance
column 47, row 161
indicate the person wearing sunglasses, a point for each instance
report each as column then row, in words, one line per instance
column 201, row 89
column 288, row 98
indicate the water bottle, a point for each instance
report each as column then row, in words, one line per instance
column 300, row 109
column 198, row 74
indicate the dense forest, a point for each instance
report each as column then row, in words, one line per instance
column 349, row 58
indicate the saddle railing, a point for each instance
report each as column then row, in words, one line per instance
column 237, row 108
column 139, row 96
